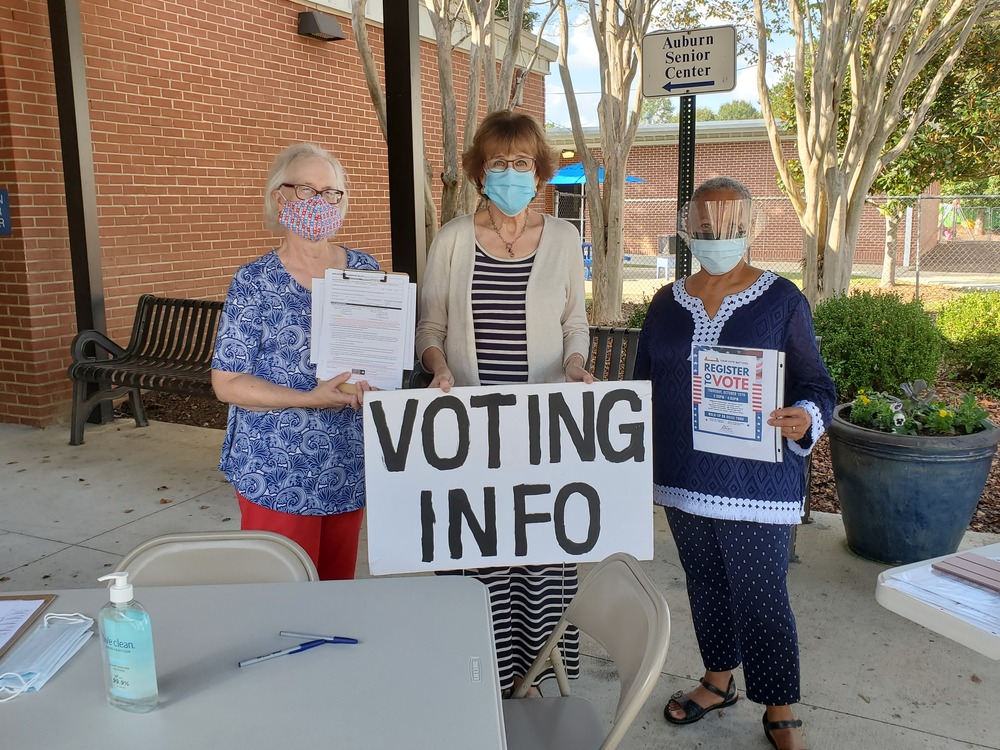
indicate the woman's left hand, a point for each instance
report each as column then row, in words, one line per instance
column 575, row 372
column 794, row 422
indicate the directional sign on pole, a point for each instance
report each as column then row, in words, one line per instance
column 693, row 61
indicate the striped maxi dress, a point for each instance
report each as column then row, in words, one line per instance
column 526, row 601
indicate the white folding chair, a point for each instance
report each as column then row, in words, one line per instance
column 202, row 557
column 619, row 607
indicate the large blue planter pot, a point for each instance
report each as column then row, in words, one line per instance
column 905, row 498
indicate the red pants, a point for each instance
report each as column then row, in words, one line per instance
column 331, row 541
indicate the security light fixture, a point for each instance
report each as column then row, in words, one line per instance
column 319, row 26
column 567, row 153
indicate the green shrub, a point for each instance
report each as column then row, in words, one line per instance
column 971, row 327
column 874, row 342
column 637, row 315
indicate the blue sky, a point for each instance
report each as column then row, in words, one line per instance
column 583, row 66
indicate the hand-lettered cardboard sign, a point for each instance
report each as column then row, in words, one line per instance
column 507, row 475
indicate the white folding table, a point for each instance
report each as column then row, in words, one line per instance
column 940, row 617
column 423, row 675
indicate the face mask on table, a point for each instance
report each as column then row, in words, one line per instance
column 39, row 656
column 510, row 191
column 719, row 256
column 314, row 219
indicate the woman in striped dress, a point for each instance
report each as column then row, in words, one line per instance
column 503, row 302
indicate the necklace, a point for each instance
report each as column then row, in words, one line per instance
column 508, row 245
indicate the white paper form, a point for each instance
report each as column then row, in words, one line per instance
column 14, row 614
column 365, row 327
column 733, row 390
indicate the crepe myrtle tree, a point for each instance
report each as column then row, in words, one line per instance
column 874, row 52
column 618, row 29
column 487, row 30
column 958, row 140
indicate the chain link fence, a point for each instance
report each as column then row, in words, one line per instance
column 938, row 245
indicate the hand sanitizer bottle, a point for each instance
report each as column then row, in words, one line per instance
column 127, row 649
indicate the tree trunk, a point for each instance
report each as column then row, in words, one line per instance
column 607, row 302
column 892, row 217
column 979, row 223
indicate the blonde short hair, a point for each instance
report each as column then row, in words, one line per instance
column 279, row 175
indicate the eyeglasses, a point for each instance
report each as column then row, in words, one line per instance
column 520, row 164
column 305, row 192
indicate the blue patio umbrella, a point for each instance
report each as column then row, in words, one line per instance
column 573, row 174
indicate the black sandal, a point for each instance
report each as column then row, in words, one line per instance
column 774, row 726
column 694, row 711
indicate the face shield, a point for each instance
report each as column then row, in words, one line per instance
column 719, row 232
column 720, row 220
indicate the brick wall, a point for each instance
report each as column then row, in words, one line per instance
column 189, row 102
column 650, row 208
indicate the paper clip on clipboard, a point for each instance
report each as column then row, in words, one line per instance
column 349, row 274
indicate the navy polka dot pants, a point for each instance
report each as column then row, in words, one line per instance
column 737, row 584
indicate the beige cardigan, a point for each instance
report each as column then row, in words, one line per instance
column 556, row 316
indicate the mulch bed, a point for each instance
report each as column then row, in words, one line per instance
column 204, row 412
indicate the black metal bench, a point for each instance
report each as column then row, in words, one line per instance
column 612, row 352
column 612, row 356
column 170, row 350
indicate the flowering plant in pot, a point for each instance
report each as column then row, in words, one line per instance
column 919, row 412
column 909, row 470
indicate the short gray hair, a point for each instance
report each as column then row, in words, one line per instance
column 728, row 184
column 279, row 174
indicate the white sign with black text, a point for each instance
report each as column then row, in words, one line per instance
column 692, row 61
column 508, row 475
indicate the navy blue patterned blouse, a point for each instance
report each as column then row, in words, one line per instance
column 771, row 314
column 304, row 461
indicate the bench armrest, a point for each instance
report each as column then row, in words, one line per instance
column 98, row 339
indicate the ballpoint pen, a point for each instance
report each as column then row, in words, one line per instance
column 312, row 637
column 284, row 652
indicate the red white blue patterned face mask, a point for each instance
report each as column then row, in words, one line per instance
column 314, row 219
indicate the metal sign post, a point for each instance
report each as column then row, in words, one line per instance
column 685, row 180
column 684, row 63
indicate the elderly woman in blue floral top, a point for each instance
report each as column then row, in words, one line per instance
column 293, row 447
column 732, row 517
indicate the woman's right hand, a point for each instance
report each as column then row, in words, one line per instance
column 443, row 379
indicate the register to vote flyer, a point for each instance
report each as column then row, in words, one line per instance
column 733, row 390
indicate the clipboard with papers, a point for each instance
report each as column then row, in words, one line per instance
column 17, row 613
column 363, row 322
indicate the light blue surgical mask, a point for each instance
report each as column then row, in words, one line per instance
column 510, row 191
column 719, row 256
column 39, row 656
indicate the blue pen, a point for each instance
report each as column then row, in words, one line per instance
column 326, row 638
column 285, row 651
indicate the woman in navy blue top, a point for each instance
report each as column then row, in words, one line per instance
column 293, row 447
column 732, row 517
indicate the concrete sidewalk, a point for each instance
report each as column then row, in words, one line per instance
column 871, row 679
